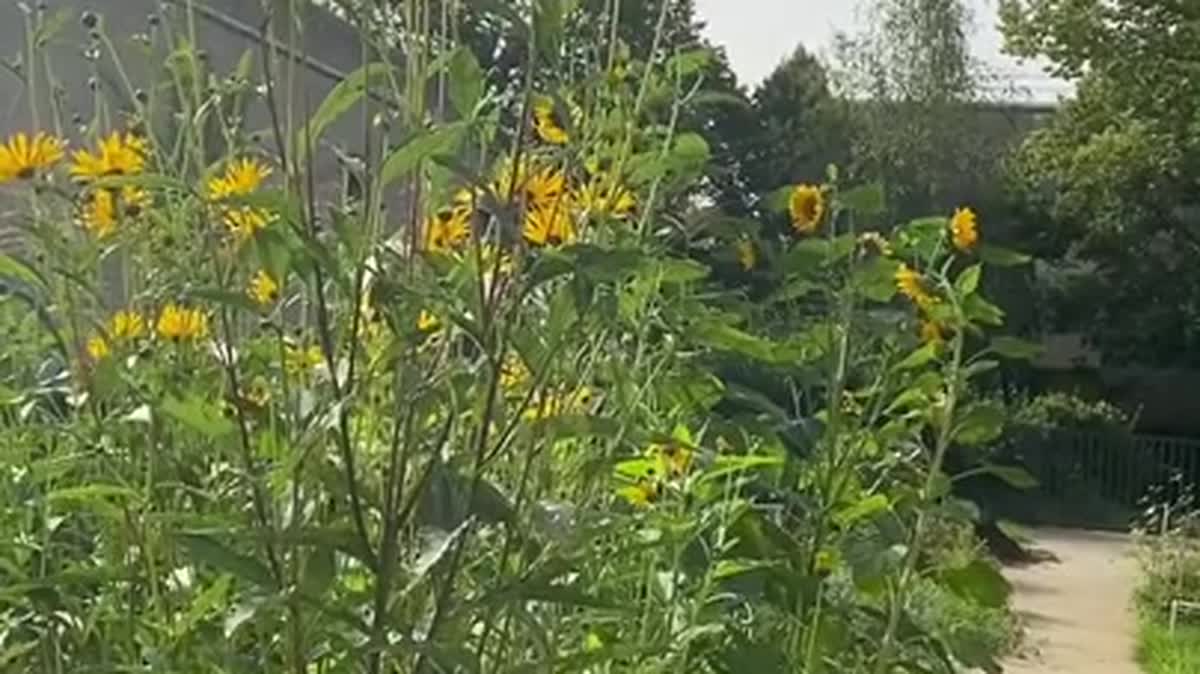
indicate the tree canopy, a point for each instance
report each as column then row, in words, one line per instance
column 1116, row 172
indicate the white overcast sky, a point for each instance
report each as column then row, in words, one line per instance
column 758, row 34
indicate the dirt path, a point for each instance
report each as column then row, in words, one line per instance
column 1077, row 610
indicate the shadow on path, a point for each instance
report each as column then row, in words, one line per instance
column 1077, row 611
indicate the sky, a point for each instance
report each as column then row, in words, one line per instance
column 759, row 34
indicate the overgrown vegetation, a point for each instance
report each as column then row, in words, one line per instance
column 517, row 424
column 1169, row 557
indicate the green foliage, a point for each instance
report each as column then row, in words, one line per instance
column 1067, row 411
column 520, row 423
column 1110, row 181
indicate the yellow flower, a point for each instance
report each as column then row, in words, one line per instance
column 427, row 322
column 263, row 288
column 910, row 284
column 98, row 214
column 299, row 360
column 127, row 325
column 641, row 494
column 747, row 254
column 22, row 157
column 134, row 200
column 675, row 459
column 548, row 227
column 98, row 348
column 807, row 207
column 513, row 372
column 116, row 155
column 241, row 177
column 931, row 333
column 447, row 230
column 179, row 323
column 876, row 241
column 245, row 222
column 602, row 196
column 964, row 227
column 536, row 187
column 555, row 404
column 546, row 124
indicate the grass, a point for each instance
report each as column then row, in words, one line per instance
column 1161, row 652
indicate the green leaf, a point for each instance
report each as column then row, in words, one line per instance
column 239, row 301
column 319, row 571
column 919, row 358
column 441, row 140
column 1014, row 476
column 577, row 426
column 980, row 582
column 206, row 550
column 341, row 98
column 466, row 82
column 865, row 509
column 920, row 238
column 980, row 310
column 877, row 279
column 726, row 465
column 983, row 423
column 690, row 62
column 724, row 337
column 866, row 199
column 1017, row 349
column 968, row 281
column 11, row 267
column 679, row 270
column 1002, row 257
column 200, row 416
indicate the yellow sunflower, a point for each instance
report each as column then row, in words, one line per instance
column 447, row 230
column 513, row 372
column 127, row 325
column 178, row 323
column 548, row 227
column 910, row 284
column 536, row 187
column 807, row 208
column 98, row 214
column 241, row 177
column 427, row 322
column 602, row 197
column 98, row 348
column 22, row 157
column 545, row 122
column 246, row 221
column 641, row 494
column 964, row 229
column 263, row 288
column 299, row 359
column 116, row 155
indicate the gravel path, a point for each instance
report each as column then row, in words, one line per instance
column 1077, row 610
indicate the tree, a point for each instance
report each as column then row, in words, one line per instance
column 800, row 127
column 1115, row 174
column 915, row 90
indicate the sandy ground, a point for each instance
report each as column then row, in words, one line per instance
column 1077, row 611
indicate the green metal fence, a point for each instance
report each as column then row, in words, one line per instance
column 1122, row 469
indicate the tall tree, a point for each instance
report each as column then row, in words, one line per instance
column 915, row 86
column 1113, row 180
column 800, row 128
